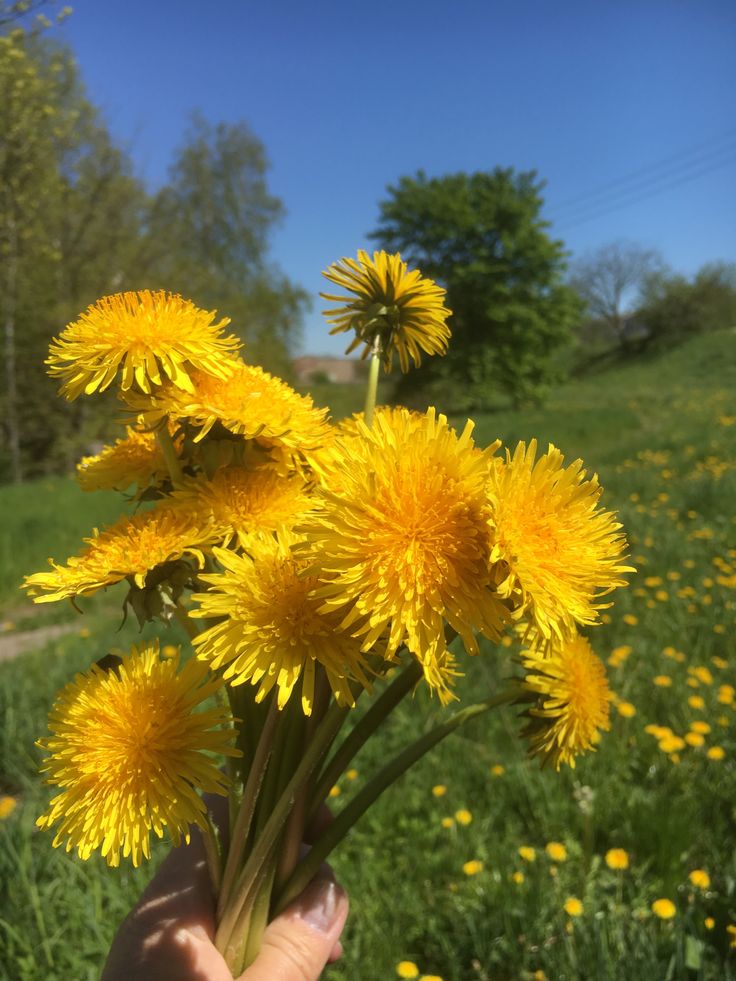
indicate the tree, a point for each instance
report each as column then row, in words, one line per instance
column 209, row 232
column 481, row 236
column 610, row 282
column 674, row 308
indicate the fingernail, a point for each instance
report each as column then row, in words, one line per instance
column 319, row 903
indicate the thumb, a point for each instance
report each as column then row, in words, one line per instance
column 297, row 945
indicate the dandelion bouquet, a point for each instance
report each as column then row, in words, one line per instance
column 318, row 569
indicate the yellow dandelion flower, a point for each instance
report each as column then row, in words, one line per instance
column 430, row 977
column 701, row 727
column 241, row 501
column 351, row 774
column 560, row 552
column 696, row 702
column 709, row 923
column 665, row 909
column 497, row 770
column 573, row 906
column 671, row 744
column 146, row 338
column 700, row 879
column 401, row 310
column 662, row 681
column 695, row 739
column 129, row 549
column 135, row 459
column 248, row 402
column 439, row 790
column 527, row 853
column 7, row 805
column 407, row 969
column 617, row 858
column 463, row 817
column 131, row 755
column 447, row 822
column 731, row 931
column 630, row 619
column 556, row 851
column 716, row 753
column 402, row 539
column 572, row 701
column 518, row 878
column 473, row 867
column 626, row 709
column 274, row 632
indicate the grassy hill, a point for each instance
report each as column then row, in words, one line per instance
column 661, row 433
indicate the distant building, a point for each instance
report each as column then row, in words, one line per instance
column 312, row 368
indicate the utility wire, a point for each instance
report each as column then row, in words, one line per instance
column 621, row 205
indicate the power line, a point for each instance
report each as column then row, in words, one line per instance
column 648, row 171
column 653, row 187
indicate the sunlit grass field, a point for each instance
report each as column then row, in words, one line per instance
column 466, row 868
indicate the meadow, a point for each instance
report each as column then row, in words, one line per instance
column 477, row 865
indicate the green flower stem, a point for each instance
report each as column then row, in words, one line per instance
column 291, row 841
column 361, row 732
column 182, row 615
column 267, row 840
column 213, row 853
column 383, row 779
column 238, row 944
column 258, row 920
column 173, row 464
column 371, row 393
column 241, row 829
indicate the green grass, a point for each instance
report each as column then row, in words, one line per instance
column 662, row 436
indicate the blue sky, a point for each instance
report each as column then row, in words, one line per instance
column 349, row 97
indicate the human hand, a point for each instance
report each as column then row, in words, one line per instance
column 168, row 936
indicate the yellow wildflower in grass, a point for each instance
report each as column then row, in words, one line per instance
column 402, row 309
column 147, row 338
column 274, row 632
column 700, row 727
column 430, row 977
column 402, row 539
column 248, row 402
column 131, row 548
column 573, row 907
column 351, row 774
column 527, row 853
column 700, row 879
column 617, row 858
column 630, row 619
column 694, row 739
column 709, row 923
column 662, row 681
column 463, row 817
column 497, row 770
column 731, row 931
column 696, row 702
column 407, row 969
column 241, row 500
column 518, row 878
column 135, row 459
column 556, row 851
column 447, row 822
column 473, row 867
column 7, row 805
column 572, row 701
column 716, row 753
column 558, row 550
column 132, row 755
column 626, row 709
column 665, row 909
column 439, row 790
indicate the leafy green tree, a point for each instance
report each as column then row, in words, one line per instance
column 674, row 308
column 482, row 237
column 209, row 232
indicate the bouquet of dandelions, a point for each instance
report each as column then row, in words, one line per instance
column 317, row 568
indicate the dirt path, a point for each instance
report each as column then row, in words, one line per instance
column 18, row 642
